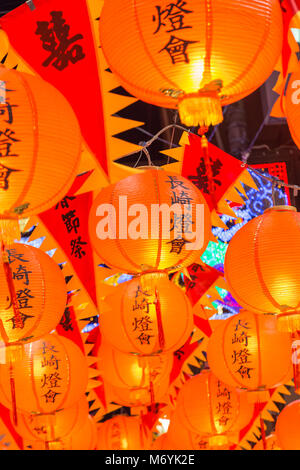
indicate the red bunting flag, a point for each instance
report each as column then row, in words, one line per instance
column 55, row 38
column 210, row 169
column 202, row 277
column 68, row 223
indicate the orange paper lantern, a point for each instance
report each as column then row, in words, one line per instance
column 248, row 351
column 123, row 433
column 197, row 55
column 51, row 375
column 287, row 427
column 133, row 229
column 52, row 427
column 41, row 145
column 208, row 407
column 33, row 294
column 146, row 316
column 262, row 265
column 130, row 371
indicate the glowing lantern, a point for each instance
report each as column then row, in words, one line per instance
column 262, row 265
column 147, row 315
column 287, row 427
column 136, row 224
column 123, row 433
column 131, row 371
column 51, row 427
column 195, row 54
column 243, row 349
column 51, row 375
column 208, row 407
column 42, row 145
column 271, row 443
column 33, row 294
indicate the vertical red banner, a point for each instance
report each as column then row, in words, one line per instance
column 55, row 38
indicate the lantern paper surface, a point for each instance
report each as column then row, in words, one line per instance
column 248, row 351
column 40, row 144
column 147, row 315
column 134, row 239
column 40, row 294
column 52, row 375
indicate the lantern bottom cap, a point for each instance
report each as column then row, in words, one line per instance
column 200, row 109
column 288, row 322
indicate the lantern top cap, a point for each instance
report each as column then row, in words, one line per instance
column 281, row 208
column 149, row 167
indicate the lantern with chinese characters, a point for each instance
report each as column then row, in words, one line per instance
column 123, row 433
column 147, row 315
column 262, row 265
column 194, row 55
column 52, row 427
column 40, row 145
column 130, row 371
column 51, row 375
column 248, row 351
column 150, row 221
column 211, row 408
column 33, row 294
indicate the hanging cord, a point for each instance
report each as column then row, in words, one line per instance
column 244, row 163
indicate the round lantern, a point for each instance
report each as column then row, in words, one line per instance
column 147, row 315
column 40, row 145
column 194, row 54
column 123, row 433
column 287, row 427
column 248, row 351
column 33, row 294
column 131, row 371
column 150, row 221
column 52, row 427
column 262, row 265
column 292, row 110
column 51, row 375
column 211, row 408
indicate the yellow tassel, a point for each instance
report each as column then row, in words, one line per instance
column 288, row 323
column 218, row 441
column 200, row 110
